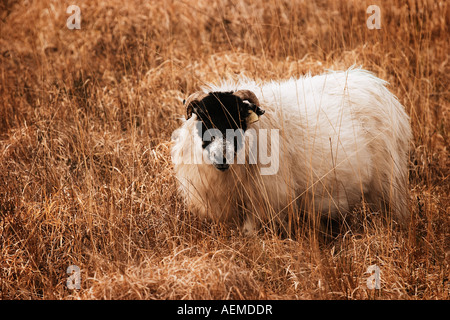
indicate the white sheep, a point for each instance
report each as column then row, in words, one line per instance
column 340, row 137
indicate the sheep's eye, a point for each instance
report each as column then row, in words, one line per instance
column 205, row 144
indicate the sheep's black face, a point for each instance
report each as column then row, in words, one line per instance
column 223, row 119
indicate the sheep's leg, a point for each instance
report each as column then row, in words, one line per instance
column 249, row 227
column 252, row 218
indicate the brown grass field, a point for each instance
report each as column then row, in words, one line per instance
column 86, row 178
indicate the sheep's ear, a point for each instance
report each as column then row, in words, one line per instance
column 252, row 117
column 189, row 112
column 192, row 101
column 254, row 112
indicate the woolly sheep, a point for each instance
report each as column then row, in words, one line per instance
column 340, row 137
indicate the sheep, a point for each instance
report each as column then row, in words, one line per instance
column 340, row 137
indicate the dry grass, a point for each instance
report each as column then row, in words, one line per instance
column 85, row 173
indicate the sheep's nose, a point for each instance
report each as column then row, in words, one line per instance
column 221, row 154
column 222, row 166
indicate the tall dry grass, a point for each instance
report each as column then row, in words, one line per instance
column 86, row 118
